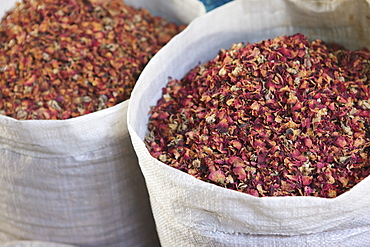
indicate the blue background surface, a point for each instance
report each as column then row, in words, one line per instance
column 211, row 4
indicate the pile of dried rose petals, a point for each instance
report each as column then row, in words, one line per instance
column 61, row 59
column 281, row 117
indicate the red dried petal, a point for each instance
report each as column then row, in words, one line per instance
column 297, row 106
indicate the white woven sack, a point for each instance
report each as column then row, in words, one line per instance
column 34, row 244
column 190, row 212
column 75, row 181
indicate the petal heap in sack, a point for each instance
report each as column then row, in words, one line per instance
column 63, row 59
column 281, row 117
column 74, row 182
column 193, row 212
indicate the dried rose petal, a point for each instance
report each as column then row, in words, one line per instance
column 281, row 117
column 84, row 55
column 217, row 176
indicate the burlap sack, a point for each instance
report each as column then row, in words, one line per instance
column 189, row 212
column 76, row 181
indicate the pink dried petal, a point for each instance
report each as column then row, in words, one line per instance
column 252, row 192
column 306, row 180
column 223, row 126
column 294, row 178
column 237, row 144
column 358, row 142
column 255, row 106
column 258, row 143
column 270, row 118
column 364, row 113
column 30, row 80
column 301, row 53
column 296, row 153
column 240, row 172
column 304, row 84
column 236, row 161
column 288, row 53
column 308, row 142
column 331, row 106
column 301, row 158
column 161, row 115
column 340, row 141
column 342, row 100
column 261, row 157
column 217, row 176
column 308, row 190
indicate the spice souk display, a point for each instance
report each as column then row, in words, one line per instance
column 68, row 172
column 258, row 129
column 280, row 117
